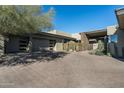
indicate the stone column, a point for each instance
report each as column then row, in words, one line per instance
column 1, row 45
column 84, row 41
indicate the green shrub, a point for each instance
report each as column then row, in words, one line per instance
column 100, row 50
column 100, row 53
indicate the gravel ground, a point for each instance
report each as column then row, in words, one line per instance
column 74, row 70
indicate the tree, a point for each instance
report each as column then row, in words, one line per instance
column 24, row 19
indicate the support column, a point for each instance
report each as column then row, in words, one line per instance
column 84, row 41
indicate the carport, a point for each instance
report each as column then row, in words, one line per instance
column 92, row 37
column 96, row 35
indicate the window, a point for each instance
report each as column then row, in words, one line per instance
column 113, row 38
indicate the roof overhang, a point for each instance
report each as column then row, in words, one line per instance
column 96, row 34
column 54, row 35
column 120, row 17
column 41, row 34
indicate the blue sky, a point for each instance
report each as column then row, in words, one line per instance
column 75, row 18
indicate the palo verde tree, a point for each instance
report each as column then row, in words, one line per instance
column 24, row 19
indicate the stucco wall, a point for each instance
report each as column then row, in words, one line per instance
column 117, row 49
column 111, row 30
column 120, row 42
column 112, row 49
column 59, row 45
column 95, row 46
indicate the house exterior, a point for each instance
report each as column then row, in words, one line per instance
column 90, row 39
column 113, row 36
column 40, row 40
column 116, row 35
column 120, row 31
column 116, row 41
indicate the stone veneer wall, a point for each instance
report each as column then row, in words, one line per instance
column 1, row 45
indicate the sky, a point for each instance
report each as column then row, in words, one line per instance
column 83, row 18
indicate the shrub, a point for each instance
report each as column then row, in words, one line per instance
column 100, row 53
column 100, row 50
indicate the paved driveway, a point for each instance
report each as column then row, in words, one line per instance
column 74, row 70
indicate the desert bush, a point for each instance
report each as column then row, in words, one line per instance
column 100, row 50
column 100, row 53
column 73, row 46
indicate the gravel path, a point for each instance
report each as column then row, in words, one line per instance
column 74, row 70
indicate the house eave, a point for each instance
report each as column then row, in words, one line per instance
column 96, row 33
column 120, row 17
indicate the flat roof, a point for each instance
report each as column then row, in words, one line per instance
column 44, row 34
column 96, row 33
column 54, row 35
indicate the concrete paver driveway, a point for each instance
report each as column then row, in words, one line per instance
column 74, row 70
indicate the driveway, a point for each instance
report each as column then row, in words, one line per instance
column 77, row 69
